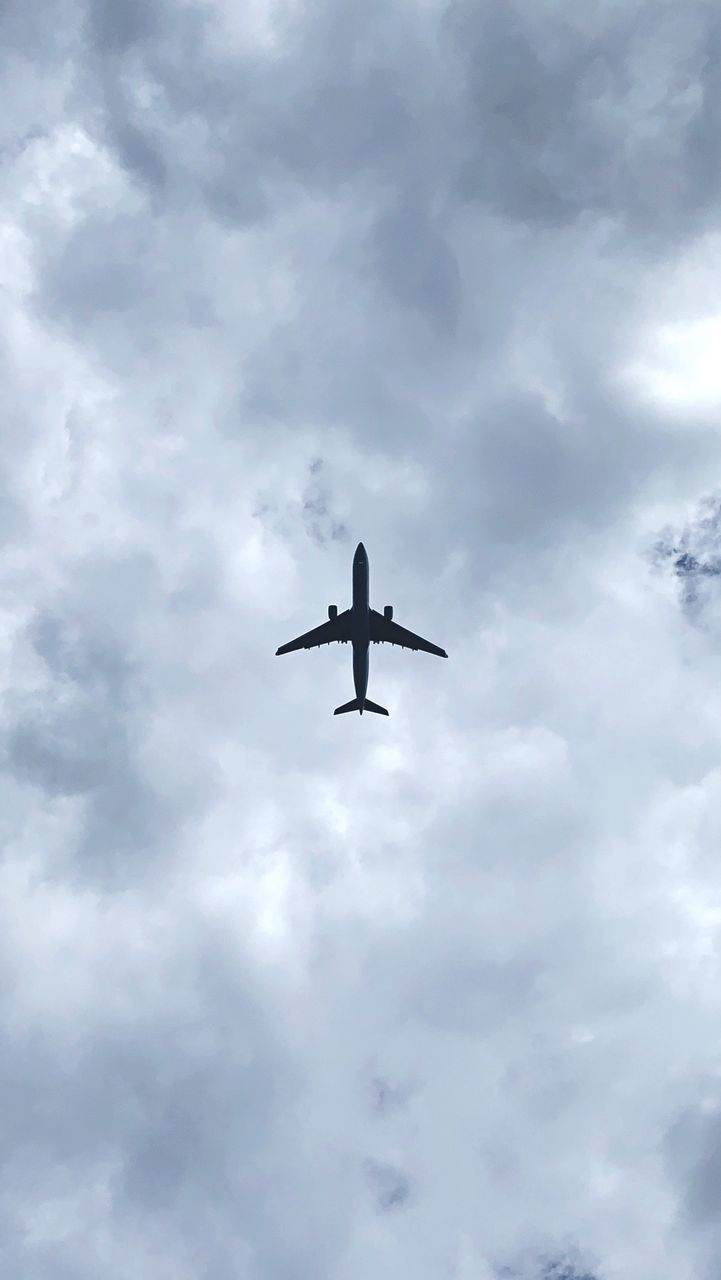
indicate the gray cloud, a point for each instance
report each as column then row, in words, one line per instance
column 556, row 1268
column 695, row 1154
column 692, row 1151
column 390, row 1186
column 142, row 1108
column 115, row 29
column 281, row 1000
column 692, row 555
column 541, row 121
column 610, row 115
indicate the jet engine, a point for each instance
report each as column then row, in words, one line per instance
column 388, row 613
column 332, row 612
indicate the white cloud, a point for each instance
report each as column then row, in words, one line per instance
column 675, row 365
column 681, row 371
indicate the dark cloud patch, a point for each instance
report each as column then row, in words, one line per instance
column 234, row 201
column 81, row 731
column 77, row 739
column 544, row 123
column 115, row 27
column 83, row 745
column 317, row 509
column 693, row 1149
column 95, row 661
column 454, row 991
column 130, row 827
column 611, row 117
column 313, row 509
column 172, row 1114
column 68, row 755
column 693, row 555
column 388, row 1098
column 20, row 144
column 46, row 34
column 13, row 517
column 565, row 1269
column 700, row 154
column 332, row 126
column 378, row 337
column 418, row 266
column 107, row 266
column 390, row 1186
column 139, row 153
column 562, row 1266
column 180, row 120
column 527, row 142
column 535, row 478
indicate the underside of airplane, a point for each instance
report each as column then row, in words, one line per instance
column 361, row 626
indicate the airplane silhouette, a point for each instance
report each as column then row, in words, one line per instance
column 360, row 625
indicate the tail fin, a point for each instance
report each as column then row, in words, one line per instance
column 357, row 705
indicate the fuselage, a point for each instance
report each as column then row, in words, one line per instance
column 360, row 625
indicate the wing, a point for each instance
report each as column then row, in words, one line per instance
column 383, row 630
column 328, row 632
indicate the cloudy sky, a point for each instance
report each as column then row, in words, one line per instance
column 289, row 997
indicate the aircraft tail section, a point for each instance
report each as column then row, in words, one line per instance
column 357, row 705
column 373, row 706
column 348, row 706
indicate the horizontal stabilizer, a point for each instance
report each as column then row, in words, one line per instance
column 348, row 706
column 357, row 705
column 373, row 706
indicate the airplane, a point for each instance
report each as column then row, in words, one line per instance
column 360, row 625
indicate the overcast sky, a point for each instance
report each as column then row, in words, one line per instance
column 294, row 997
